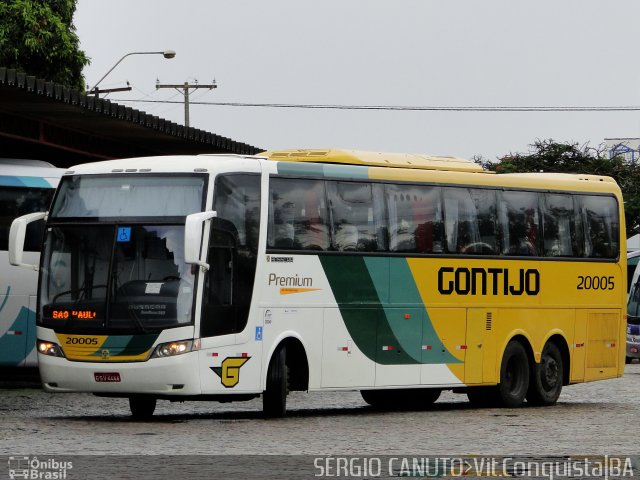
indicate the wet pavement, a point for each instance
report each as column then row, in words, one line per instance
column 590, row 419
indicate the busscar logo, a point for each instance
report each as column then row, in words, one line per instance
column 271, row 258
column 229, row 370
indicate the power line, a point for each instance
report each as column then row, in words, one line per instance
column 185, row 90
column 402, row 107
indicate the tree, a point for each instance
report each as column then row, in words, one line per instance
column 550, row 156
column 38, row 37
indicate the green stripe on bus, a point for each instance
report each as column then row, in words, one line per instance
column 407, row 316
column 127, row 345
column 361, row 309
column 383, row 311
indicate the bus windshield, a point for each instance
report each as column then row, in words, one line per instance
column 127, row 275
column 116, row 277
column 126, row 196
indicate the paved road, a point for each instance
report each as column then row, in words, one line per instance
column 596, row 418
column 591, row 418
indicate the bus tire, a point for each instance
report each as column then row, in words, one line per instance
column 142, row 406
column 376, row 398
column 546, row 382
column 274, row 398
column 413, row 398
column 514, row 375
column 628, row 360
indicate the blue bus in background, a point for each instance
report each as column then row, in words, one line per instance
column 26, row 186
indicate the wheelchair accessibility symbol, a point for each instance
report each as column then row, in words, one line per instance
column 124, row 234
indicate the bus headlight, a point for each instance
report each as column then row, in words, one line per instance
column 49, row 348
column 171, row 349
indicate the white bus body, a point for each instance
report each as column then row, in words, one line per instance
column 179, row 278
column 26, row 186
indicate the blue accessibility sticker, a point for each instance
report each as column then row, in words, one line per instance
column 258, row 333
column 124, row 234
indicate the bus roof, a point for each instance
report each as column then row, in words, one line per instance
column 344, row 164
column 25, row 162
column 28, row 173
column 375, row 159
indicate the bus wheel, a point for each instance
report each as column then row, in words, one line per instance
column 413, row 398
column 142, row 407
column 274, row 398
column 628, row 360
column 376, row 398
column 546, row 383
column 514, row 375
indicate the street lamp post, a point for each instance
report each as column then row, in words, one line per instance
column 165, row 54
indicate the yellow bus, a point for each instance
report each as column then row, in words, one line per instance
column 398, row 275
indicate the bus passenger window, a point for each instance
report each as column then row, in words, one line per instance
column 358, row 216
column 485, row 203
column 297, row 215
column 561, row 226
column 415, row 219
column 601, row 226
column 17, row 201
column 518, row 213
column 461, row 222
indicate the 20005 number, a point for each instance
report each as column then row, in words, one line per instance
column 595, row 283
column 82, row 341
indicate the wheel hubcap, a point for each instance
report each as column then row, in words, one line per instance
column 550, row 373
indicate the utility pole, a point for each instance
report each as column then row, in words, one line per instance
column 184, row 90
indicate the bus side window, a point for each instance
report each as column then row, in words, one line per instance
column 297, row 215
column 601, row 226
column 461, row 222
column 415, row 219
column 561, row 226
column 633, row 303
column 519, row 220
column 487, row 218
column 15, row 202
column 357, row 216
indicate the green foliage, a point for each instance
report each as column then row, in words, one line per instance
column 550, row 156
column 38, row 37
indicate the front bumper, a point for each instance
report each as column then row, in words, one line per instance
column 177, row 375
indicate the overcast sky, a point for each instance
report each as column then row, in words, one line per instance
column 423, row 53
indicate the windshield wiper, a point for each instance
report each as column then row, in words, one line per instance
column 134, row 315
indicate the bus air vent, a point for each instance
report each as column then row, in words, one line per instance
column 488, row 321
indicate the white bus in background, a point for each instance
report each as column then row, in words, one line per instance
column 26, row 186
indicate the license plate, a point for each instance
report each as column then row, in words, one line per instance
column 106, row 376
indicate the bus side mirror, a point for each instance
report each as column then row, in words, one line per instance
column 193, row 237
column 16, row 238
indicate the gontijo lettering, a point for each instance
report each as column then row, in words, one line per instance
column 488, row 281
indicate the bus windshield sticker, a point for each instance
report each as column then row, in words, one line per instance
column 124, row 234
column 153, row 288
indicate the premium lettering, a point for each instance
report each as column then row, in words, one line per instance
column 488, row 281
column 292, row 281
